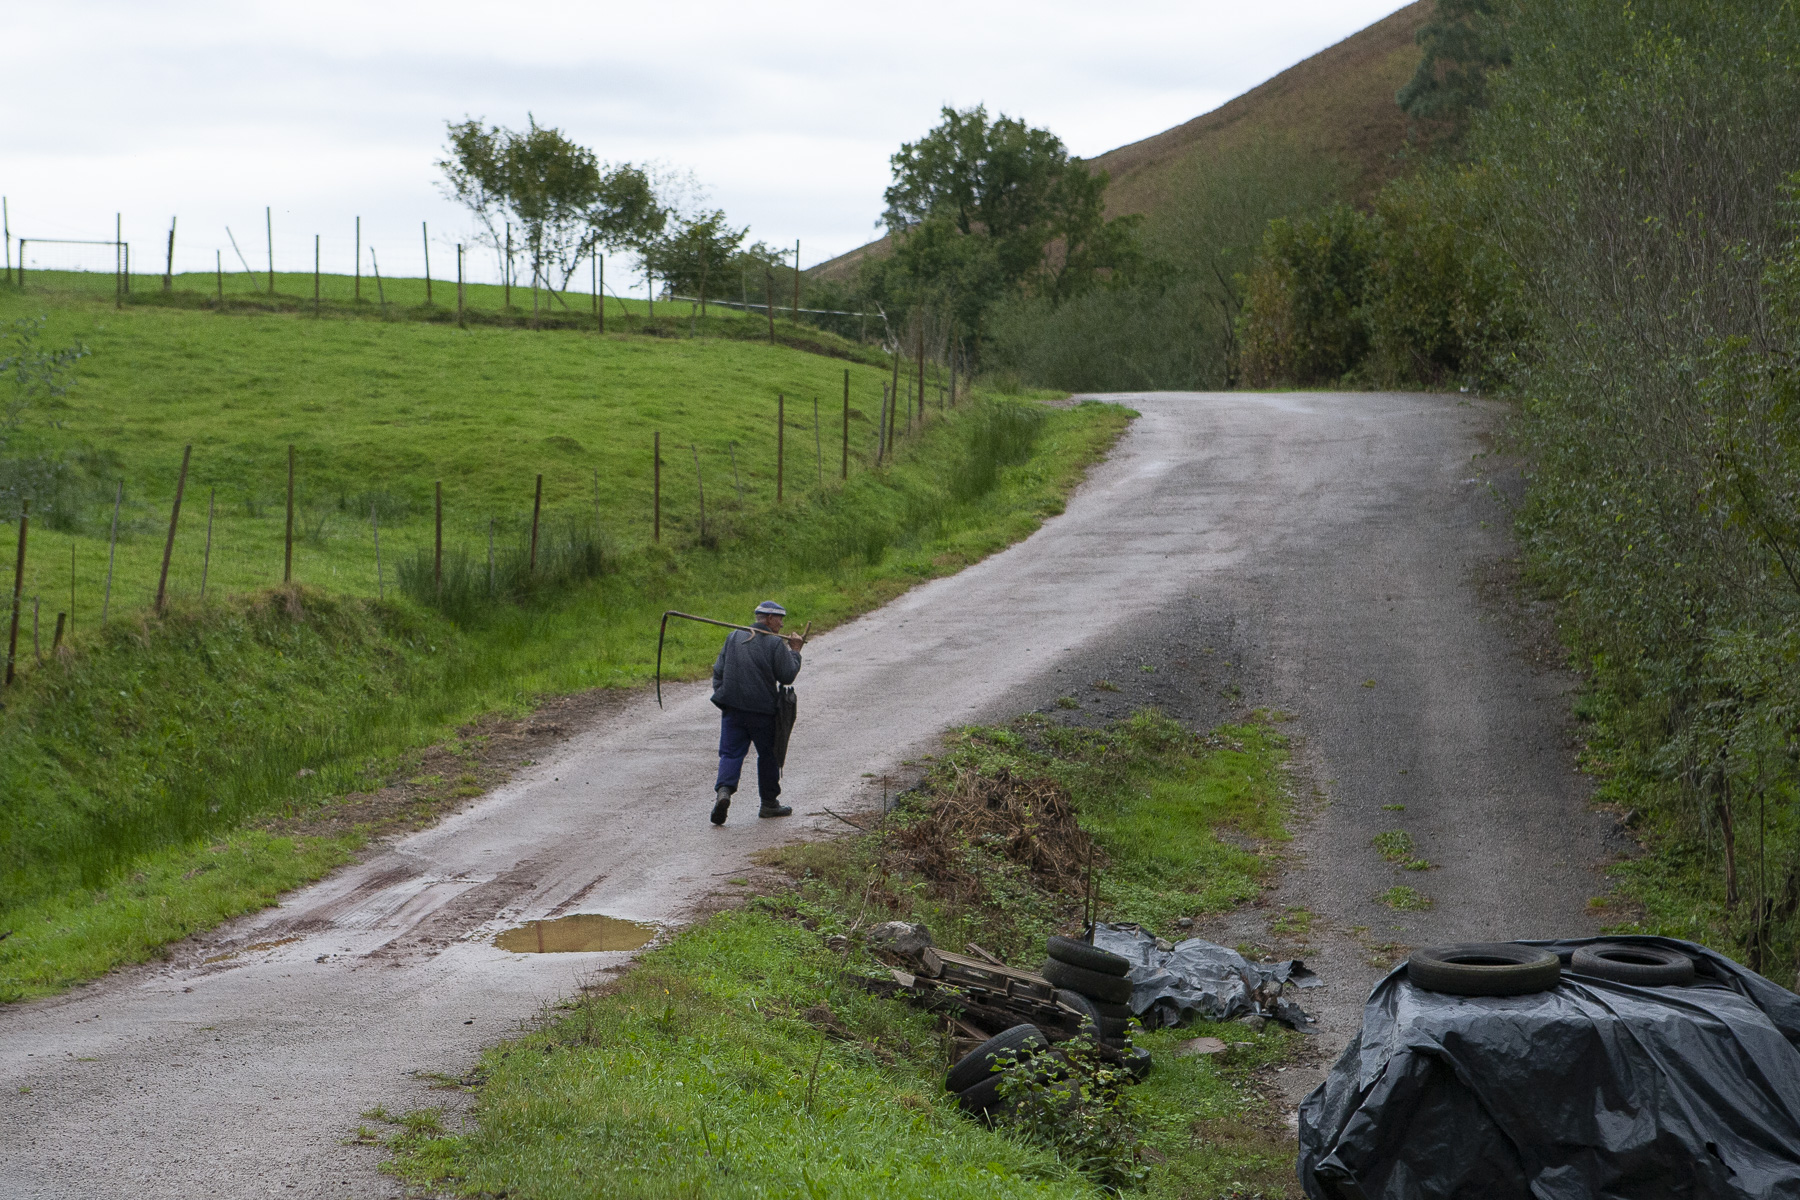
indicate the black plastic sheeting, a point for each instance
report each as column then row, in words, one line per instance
column 1592, row 1090
column 1197, row 978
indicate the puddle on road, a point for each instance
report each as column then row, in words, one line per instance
column 581, row 932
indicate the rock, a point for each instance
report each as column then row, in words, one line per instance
column 1253, row 1022
column 1200, row 1045
column 899, row 939
column 1165, row 945
column 837, row 943
column 1184, row 923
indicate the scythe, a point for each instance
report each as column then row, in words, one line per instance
column 664, row 632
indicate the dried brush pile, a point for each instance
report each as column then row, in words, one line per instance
column 1029, row 822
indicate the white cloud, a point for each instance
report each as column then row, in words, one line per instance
column 787, row 113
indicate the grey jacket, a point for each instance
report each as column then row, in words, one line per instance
column 749, row 667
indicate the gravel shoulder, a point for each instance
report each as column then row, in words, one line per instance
column 1250, row 549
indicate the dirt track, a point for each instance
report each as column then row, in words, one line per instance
column 1250, row 548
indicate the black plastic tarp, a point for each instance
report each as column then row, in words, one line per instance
column 1592, row 1090
column 1197, row 978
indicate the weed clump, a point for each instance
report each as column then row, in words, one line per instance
column 1029, row 821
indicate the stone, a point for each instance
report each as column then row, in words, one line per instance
column 899, row 939
column 1165, row 945
column 1184, row 923
column 1200, row 1045
column 1254, row 1022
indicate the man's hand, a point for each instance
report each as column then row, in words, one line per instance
column 794, row 641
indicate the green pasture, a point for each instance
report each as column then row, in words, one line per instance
column 151, row 740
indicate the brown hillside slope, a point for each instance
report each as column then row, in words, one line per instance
column 1339, row 104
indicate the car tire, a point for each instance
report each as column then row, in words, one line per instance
column 1088, row 957
column 978, row 1064
column 1113, row 989
column 1484, row 969
column 1118, row 1012
column 1630, row 962
column 983, row 1099
column 1138, row 1063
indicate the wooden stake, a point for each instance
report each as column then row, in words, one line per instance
column 894, row 399
column 206, row 559
column 219, row 270
column 537, row 506
column 118, row 260
column 656, row 488
column 796, row 281
column 169, row 263
column 846, row 467
column 112, row 549
column 380, row 292
column 162, row 584
column 425, row 236
column 700, row 483
column 921, row 407
column 780, row 441
column 769, row 300
column 357, row 267
column 269, row 231
column 818, row 445
column 437, row 537
column 600, row 289
column 56, row 640
column 12, row 641
column 459, row 285
column 287, row 561
column 71, row 589
column 506, row 273
column 315, row 274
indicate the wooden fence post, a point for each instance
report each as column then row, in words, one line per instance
column 769, row 300
column 818, row 446
column 537, row 505
column 459, row 285
column 169, row 263
column 219, row 271
column 894, row 397
column 780, row 441
column 12, row 642
column 846, row 466
column 796, row 281
column 112, row 549
column 269, row 229
column 437, row 537
column 921, row 408
column 212, row 494
column 315, row 274
column 162, row 584
column 700, row 483
column 656, row 488
column 287, row 561
column 425, row 236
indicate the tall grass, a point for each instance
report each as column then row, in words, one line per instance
column 469, row 585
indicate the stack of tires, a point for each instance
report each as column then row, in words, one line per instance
column 976, row 1077
column 1092, row 982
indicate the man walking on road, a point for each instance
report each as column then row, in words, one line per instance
column 750, row 686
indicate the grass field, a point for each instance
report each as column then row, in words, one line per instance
column 153, row 739
column 739, row 1060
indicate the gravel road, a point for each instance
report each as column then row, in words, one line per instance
column 1314, row 553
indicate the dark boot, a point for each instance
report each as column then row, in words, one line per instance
column 774, row 810
column 721, row 805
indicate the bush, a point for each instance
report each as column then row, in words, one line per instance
column 1303, row 314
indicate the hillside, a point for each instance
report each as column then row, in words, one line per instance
column 1338, row 104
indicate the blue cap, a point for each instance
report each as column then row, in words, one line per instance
column 770, row 608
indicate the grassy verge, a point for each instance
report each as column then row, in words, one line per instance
column 138, row 748
column 740, row 1061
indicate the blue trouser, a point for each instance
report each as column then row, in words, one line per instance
column 738, row 730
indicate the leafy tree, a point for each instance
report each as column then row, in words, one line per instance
column 700, row 255
column 1463, row 42
column 982, row 208
column 564, row 200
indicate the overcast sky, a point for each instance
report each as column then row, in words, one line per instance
column 786, row 113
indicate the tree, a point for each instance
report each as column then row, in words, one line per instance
column 981, row 208
column 1462, row 43
column 698, row 253
column 564, row 200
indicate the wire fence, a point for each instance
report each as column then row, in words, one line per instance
column 86, row 558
